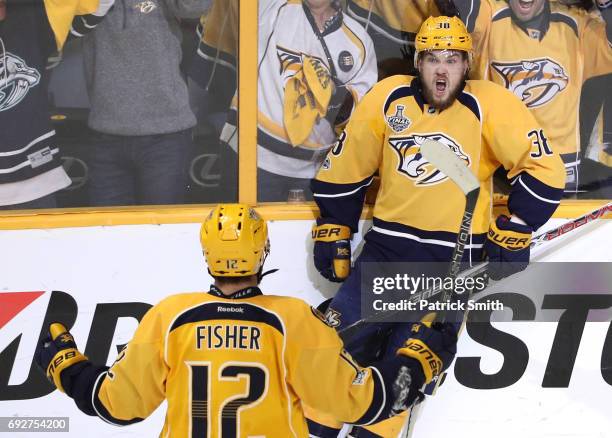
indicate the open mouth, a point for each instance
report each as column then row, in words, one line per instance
column 441, row 85
column 525, row 5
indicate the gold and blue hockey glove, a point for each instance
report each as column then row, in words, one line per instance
column 433, row 346
column 57, row 353
column 430, row 350
column 507, row 247
column 332, row 250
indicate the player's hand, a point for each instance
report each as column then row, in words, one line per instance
column 433, row 346
column 332, row 250
column 507, row 247
column 429, row 350
column 56, row 353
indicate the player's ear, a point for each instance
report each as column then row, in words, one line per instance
column 466, row 67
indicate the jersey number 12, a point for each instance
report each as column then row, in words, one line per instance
column 228, row 417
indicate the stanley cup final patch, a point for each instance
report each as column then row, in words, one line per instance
column 398, row 122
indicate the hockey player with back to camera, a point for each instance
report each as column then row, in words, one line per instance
column 418, row 210
column 234, row 362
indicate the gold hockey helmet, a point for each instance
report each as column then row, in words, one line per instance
column 443, row 33
column 234, row 240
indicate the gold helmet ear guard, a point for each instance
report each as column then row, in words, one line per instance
column 443, row 33
column 234, row 240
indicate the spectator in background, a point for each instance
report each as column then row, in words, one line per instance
column 543, row 52
column 214, row 70
column 596, row 109
column 315, row 64
column 393, row 24
column 30, row 31
column 140, row 111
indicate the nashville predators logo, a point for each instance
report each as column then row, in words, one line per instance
column 536, row 82
column 292, row 62
column 145, row 7
column 289, row 60
column 16, row 79
column 332, row 317
column 413, row 165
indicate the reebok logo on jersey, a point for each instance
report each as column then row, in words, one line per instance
column 16, row 79
column 536, row 82
column 230, row 309
column 414, row 166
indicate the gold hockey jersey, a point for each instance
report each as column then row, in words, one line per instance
column 239, row 367
column 545, row 65
column 486, row 127
column 397, row 20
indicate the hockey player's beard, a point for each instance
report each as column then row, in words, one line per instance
column 441, row 104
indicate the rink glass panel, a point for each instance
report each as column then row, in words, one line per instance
column 213, row 165
column 208, row 181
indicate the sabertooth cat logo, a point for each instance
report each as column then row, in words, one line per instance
column 535, row 82
column 16, row 79
column 414, row 166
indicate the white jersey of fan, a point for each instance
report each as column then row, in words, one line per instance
column 285, row 37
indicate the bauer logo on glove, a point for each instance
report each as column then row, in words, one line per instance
column 507, row 247
column 332, row 250
column 432, row 365
column 330, row 232
column 509, row 239
column 58, row 352
column 432, row 345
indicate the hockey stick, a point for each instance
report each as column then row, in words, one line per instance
column 444, row 159
column 348, row 332
column 571, row 225
column 447, row 162
column 457, row 171
column 540, row 239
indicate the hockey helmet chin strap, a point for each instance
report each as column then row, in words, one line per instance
column 261, row 275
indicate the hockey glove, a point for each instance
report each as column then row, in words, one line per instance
column 429, row 351
column 432, row 346
column 507, row 247
column 332, row 250
column 57, row 354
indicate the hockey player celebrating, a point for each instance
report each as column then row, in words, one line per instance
column 418, row 209
column 234, row 362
